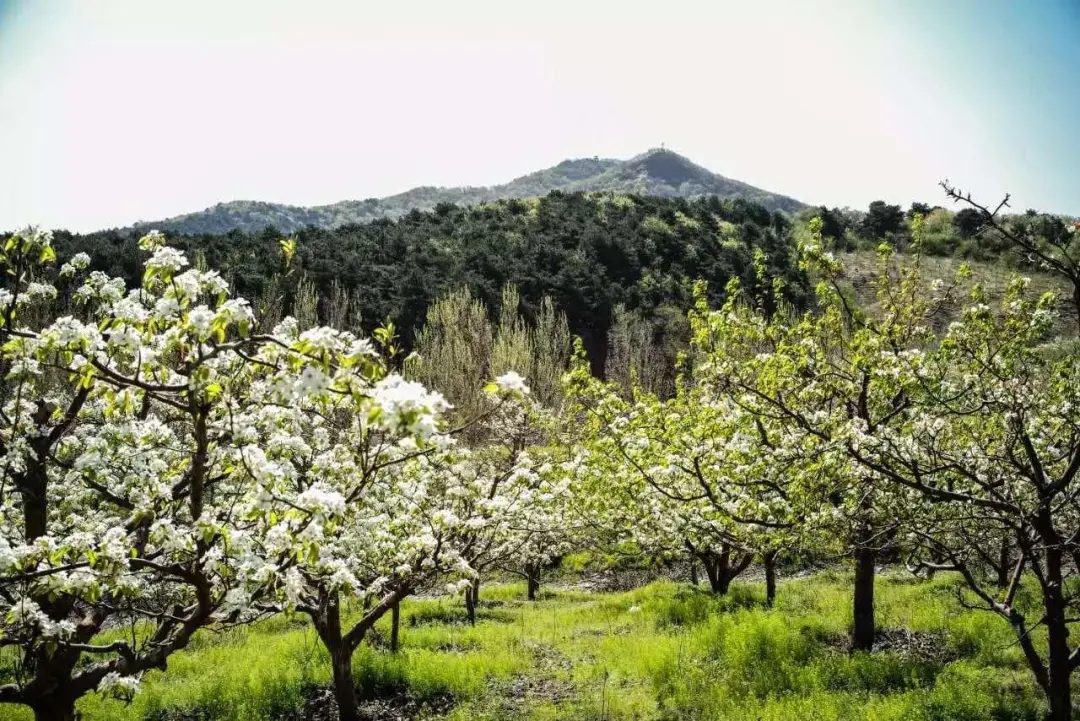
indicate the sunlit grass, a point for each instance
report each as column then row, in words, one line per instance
column 665, row 651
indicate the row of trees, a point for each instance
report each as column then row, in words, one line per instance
column 837, row 432
column 862, row 435
column 971, row 231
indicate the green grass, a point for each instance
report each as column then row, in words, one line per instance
column 665, row 651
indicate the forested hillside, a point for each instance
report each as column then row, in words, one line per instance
column 657, row 172
column 591, row 253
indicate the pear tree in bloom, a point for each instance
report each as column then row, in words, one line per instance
column 693, row 469
column 811, row 381
column 351, row 502
column 515, row 494
column 961, row 439
column 992, row 450
column 119, row 502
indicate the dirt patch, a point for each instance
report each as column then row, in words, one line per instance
column 320, row 705
column 620, row 630
column 929, row 646
column 926, row 646
column 615, row 581
column 522, row 690
column 514, row 695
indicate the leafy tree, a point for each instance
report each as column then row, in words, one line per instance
column 634, row 359
column 454, row 348
column 344, row 458
column 991, row 446
column 833, row 223
column 939, row 234
column 968, row 222
column 512, row 345
column 944, row 444
column 551, row 344
column 516, row 523
column 693, row 473
column 882, row 220
column 916, row 209
column 809, row 375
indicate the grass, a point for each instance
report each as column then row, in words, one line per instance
column 665, row 651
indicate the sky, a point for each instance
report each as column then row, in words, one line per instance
column 113, row 111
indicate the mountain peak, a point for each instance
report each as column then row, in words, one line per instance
column 667, row 166
column 657, row 171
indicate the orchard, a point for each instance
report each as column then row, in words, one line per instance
column 171, row 468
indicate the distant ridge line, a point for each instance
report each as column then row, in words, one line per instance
column 658, row 171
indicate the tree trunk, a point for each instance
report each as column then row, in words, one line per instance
column 472, row 599
column 344, row 690
column 716, row 568
column 470, row 605
column 55, row 707
column 1059, row 667
column 721, row 585
column 327, row 623
column 769, row 560
column 862, row 634
column 720, row 570
column 693, row 571
column 533, row 575
column 395, row 626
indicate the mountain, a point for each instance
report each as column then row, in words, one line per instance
column 657, row 172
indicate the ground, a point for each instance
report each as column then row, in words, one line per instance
column 663, row 651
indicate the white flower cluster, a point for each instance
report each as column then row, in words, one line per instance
column 511, row 382
column 116, row 686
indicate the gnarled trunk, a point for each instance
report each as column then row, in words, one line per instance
column 56, row 707
column 720, row 570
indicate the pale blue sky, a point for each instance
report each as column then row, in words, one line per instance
column 119, row 111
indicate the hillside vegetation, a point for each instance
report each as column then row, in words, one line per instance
column 861, row 272
column 590, row 253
